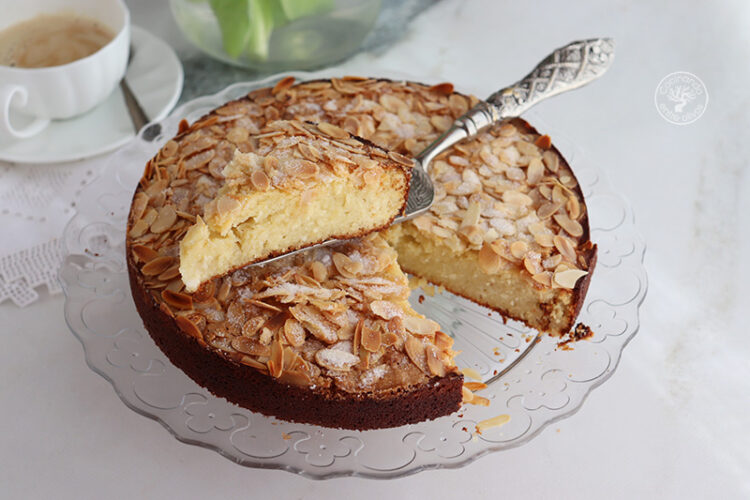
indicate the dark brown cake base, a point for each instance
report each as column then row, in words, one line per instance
column 258, row 392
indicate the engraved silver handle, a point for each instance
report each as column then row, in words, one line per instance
column 566, row 68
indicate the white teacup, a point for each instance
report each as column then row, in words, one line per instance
column 68, row 90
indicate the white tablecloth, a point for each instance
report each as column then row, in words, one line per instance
column 673, row 420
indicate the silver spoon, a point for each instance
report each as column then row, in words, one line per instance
column 567, row 68
column 137, row 115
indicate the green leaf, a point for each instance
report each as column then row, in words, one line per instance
column 295, row 9
column 234, row 22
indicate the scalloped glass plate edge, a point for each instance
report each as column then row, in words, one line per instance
column 94, row 267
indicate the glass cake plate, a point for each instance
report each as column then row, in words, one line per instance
column 530, row 379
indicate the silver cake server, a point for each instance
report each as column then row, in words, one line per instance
column 567, row 68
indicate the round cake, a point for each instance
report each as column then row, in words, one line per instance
column 327, row 336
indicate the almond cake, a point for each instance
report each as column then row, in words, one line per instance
column 317, row 182
column 326, row 336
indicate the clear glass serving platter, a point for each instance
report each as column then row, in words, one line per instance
column 530, row 379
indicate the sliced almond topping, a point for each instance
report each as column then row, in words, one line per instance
column 283, row 85
column 170, row 273
column 370, row 338
column 250, row 346
column 188, row 327
column 527, row 148
column 475, row 386
column 552, row 161
column 227, row 204
column 471, row 217
column 544, row 240
column 385, row 309
column 507, row 130
column 519, row 249
column 224, row 290
column 335, row 359
column 488, row 260
column 293, row 332
column 169, row 149
column 434, row 363
column 517, row 199
column 319, row 271
column 332, row 130
column 445, row 88
column 543, row 278
column 443, row 341
column 572, row 227
column 140, row 202
column 543, row 141
column 276, row 363
column 260, row 180
column 565, row 247
column 400, row 159
column 416, row 351
column 533, row 264
column 250, row 327
column 535, row 171
column 420, row 326
column 569, row 277
column 238, row 135
column 547, row 210
column 143, row 253
column 165, row 219
column 157, row 266
column 573, row 207
column 489, row 423
column 177, row 300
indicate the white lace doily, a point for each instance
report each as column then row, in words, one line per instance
column 36, row 202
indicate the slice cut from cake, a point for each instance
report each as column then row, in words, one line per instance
column 300, row 185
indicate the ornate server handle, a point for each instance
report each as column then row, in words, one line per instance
column 565, row 69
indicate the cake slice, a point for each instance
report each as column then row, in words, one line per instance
column 300, row 185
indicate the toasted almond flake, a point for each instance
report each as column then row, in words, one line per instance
column 319, row 270
column 332, row 130
column 400, row 159
column 434, row 363
column 416, row 351
column 544, row 240
column 535, row 171
column 543, row 278
column 532, row 263
column 251, row 327
column 552, row 160
column 157, row 266
column 479, row 401
column 517, row 198
column 238, row 135
column 475, row 386
column 547, row 210
column 253, row 363
column 471, row 217
column 458, row 104
column 370, row 338
column 527, row 148
column 170, row 273
column 441, row 122
column 543, row 141
column 445, row 88
column 443, row 341
column 293, row 332
column 143, row 253
column 385, row 309
column 420, row 326
column 276, row 363
column 466, row 395
column 283, row 85
column 569, row 277
column 250, row 346
column 263, row 305
column 188, row 327
column 224, row 290
column 473, row 234
column 169, row 149
column 357, row 339
column 570, row 226
column 260, row 180
column 140, row 202
column 507, row 130
column 343, row 264
column 177, row 300
column 138, row 229
column 573, row 207
column 565, row 247
column 518, row 249
column 471, row 373
column 489, row 423
column 335, row 359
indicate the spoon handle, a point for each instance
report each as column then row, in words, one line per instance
column 566, row 68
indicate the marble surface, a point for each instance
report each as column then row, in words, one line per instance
column 673, row 420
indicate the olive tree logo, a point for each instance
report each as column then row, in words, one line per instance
column 681, row 98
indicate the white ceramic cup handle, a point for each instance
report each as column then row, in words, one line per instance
column 7, row 94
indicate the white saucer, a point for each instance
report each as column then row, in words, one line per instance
column 155, row 76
